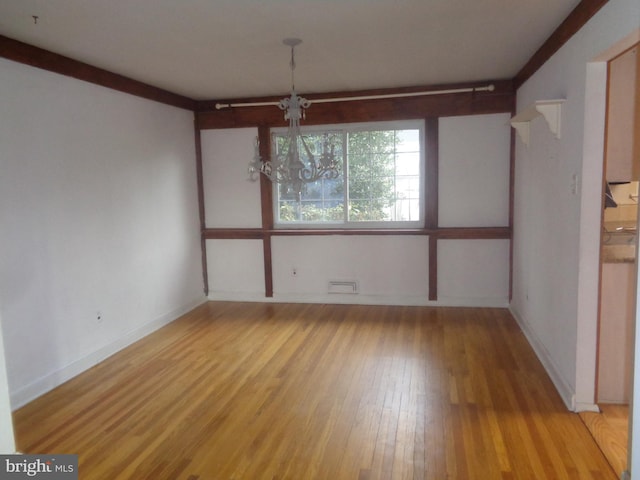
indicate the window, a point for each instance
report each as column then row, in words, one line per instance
column 380, row 180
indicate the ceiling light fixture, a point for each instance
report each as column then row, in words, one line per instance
column 296, row 163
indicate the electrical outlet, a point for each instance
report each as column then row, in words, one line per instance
column 99, row 317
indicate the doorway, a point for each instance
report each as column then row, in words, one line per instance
column 618, row 265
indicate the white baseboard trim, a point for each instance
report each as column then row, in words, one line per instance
column 565, row 390
column 587, row 407
column 42, row 385
column 359, row 299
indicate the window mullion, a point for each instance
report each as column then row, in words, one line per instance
column 345, row 175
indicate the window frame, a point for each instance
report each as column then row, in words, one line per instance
column 412, row 124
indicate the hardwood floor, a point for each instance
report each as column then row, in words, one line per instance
column 610, row 429
column 282, row 391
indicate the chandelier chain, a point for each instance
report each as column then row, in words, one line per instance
column 293, row 67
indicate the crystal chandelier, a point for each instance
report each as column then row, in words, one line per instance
column 296, row 163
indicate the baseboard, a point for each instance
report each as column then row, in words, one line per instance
column 42, row 385
column 565, row 390
column 359, row 299
column 586, row 407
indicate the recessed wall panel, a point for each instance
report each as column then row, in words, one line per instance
column 386, row 266
column 230, row 199
column 474, row 269
column 473, row 171
column 234, row 267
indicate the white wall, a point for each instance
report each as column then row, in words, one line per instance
column 474, row 191
column 556, row 231
column 98, row 217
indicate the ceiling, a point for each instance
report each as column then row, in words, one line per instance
column 215, row 49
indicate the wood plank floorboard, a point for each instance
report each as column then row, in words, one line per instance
column 293, row 391
column 610, row 429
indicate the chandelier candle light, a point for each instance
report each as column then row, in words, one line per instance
column 289, row 168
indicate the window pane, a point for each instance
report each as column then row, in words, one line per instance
column 407, row 209
column 326, row 212
column 408, row 140
column 320, row 201
column 407, row 187
column 408, row 163
column 382, row 180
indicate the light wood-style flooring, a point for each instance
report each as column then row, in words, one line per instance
column 292, row 391
column 610, row 429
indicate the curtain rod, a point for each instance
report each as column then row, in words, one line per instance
column 488, row 88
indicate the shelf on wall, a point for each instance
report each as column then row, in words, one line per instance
column 549, row 109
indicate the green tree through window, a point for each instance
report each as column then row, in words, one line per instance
column 379, row 181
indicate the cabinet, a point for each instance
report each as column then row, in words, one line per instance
column 616, row 333
column 623, row 111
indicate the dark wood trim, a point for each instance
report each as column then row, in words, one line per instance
column 53, row 62
column 205, row 268
column 431, row 172
column 498, row 101
column 234, row 233
column 433, row 268
column 266, row 187
column 266, row 202
column 432, row 152
column 512, row 179
column 636, row 119
column 200, row 179
column 268, row 267
column 473, row 233
column 580, row 15
column 450, row 233
column 201, row 211
column 347, row 231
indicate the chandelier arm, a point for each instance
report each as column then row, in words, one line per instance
column 312, row 166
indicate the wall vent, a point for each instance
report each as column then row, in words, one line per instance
column 341, row 286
